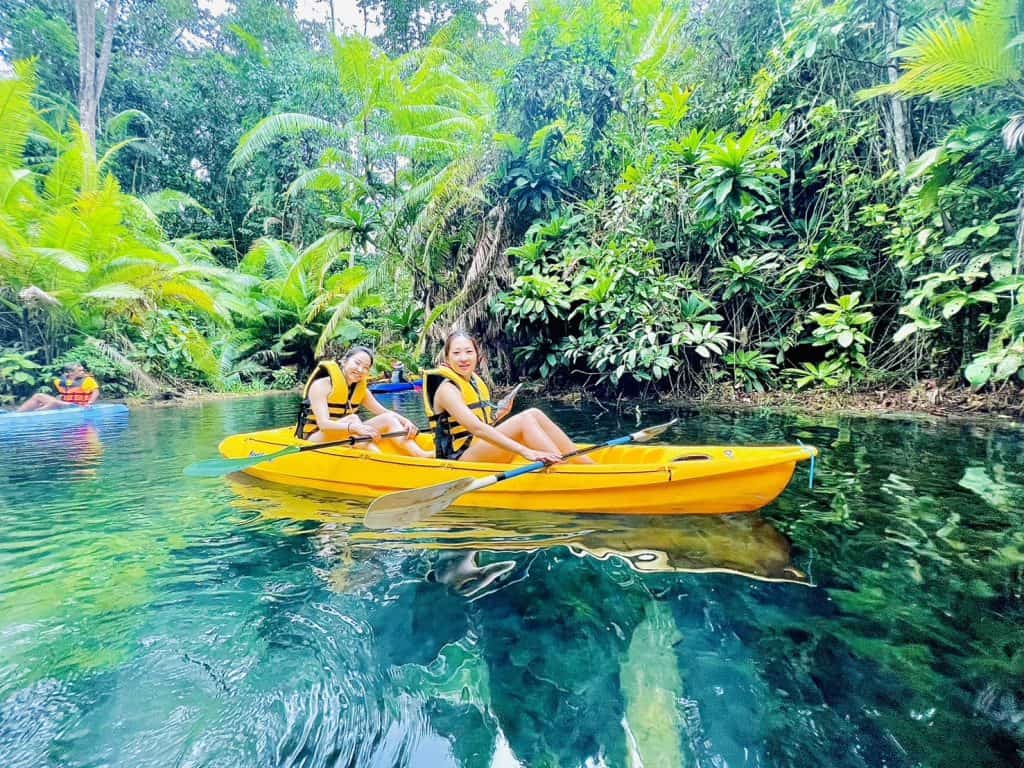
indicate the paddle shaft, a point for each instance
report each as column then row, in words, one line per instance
column 347, row 441
column 486, row 482
column 409, row 506
column 217, row 467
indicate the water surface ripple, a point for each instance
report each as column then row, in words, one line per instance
column 151, row 620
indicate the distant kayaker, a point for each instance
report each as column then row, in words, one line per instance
column 77, row 388
column 331, row 400
column 458, row 406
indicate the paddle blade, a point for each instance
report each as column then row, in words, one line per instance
column 397, row 510
column 218, row 467
column 649, row 433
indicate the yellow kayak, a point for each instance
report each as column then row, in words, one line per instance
column 626, row 479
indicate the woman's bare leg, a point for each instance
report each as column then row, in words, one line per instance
column 523, row 428
column 388, row 422
column 43, row 402
column 556, row 435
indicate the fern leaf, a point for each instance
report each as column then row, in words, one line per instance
column 16, row 113
column 271, row 129
column 948, row 57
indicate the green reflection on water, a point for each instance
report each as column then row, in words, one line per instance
column 143, row 615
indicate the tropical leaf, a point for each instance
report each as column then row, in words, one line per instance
column 118, row 125
column 142, row 380
column 172, row 201
column 1013, row 133
column 331, row 178
column 271, row 129
column 381, row 275
column 16, row 113
column 948, row 56
column 250, row 41
column 117, row 292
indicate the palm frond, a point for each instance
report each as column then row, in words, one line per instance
column 114, row 149
column 191, row 294
column 485, row 268
column 271, row 129
column 74, row 170
column 325, row 178
column 268, row 257
column 313, row 262
column 118, row 125
column 365, row 74
column 142, row 380
column 948, row 57
column 16, row 113
column 62, row 258
column 172, row 201
column 117, row 292
column 201, row 354
column 381, row 275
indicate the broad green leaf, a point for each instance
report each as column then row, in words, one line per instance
column 978, row 374
column 905, row 330
column 1008, row 366
column 723, row 190
column 953, row 306
column 832, row 281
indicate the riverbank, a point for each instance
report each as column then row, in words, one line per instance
column 191, row 396
column 928, row 400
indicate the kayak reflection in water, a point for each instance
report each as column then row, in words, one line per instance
column 77, row 389
column 463, row 574
column 468, row 427
column 331, row 400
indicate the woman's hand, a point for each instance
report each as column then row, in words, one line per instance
column 359, row 429
column 411, row 430
column 548, row 457
column 504, row 408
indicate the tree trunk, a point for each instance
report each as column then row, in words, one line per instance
column 85, row 20
column 92, row 72
column 897, row 109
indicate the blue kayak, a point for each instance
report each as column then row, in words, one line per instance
column 61, row 417
column 401, row 387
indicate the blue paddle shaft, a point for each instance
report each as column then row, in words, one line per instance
column 527, row 468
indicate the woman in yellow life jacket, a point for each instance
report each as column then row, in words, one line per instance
column 331, row 400
column 76, row 388
column 458, row 406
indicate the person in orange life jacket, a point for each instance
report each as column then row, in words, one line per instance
column 457, row 402
column 332, row 398
column 77, row 389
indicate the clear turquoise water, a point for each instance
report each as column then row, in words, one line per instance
column 150, row 620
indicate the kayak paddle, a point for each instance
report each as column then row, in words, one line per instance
column 401, row 508
column 218, row 467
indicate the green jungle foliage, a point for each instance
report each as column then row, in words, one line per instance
column 631, row 194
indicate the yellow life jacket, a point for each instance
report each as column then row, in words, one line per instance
column 79, row 393
column 451, row 439
column 341, row 402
